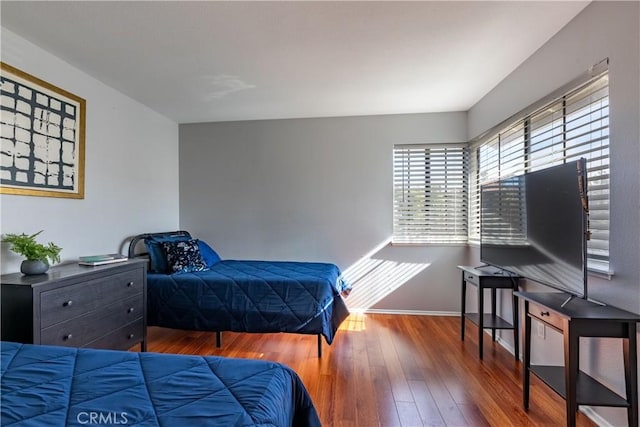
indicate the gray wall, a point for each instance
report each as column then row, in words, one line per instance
column 131, row 167
column 318, row 190
column 602, row 29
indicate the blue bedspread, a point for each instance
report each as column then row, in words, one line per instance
column 250, row 296
column 58, row 386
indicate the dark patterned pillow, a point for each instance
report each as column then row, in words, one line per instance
column 183, row 256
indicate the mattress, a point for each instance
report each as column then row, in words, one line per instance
column 57, row 386
column 250, row 296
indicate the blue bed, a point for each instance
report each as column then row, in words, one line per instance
column 247, row 296
column 58, row 386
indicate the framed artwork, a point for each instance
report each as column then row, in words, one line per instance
column 42, row 135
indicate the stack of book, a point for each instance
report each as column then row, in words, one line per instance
column 101, row 259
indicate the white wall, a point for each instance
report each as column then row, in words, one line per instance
column 602, row 29
column 131, row 167
column 315, row 190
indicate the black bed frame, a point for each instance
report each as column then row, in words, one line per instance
column 132, row 253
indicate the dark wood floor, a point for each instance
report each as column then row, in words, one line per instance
column 393, row 370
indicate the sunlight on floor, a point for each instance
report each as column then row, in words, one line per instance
column 373, row 278
column 354, row 323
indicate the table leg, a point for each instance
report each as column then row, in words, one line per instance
column 493, row 311
column 480, row 318
column 630, row 355
column 571, row 368
column 526, row 357
column 462, row 306
column 516, row 327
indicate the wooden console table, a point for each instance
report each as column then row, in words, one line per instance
column 488, row 278
column 574, row 319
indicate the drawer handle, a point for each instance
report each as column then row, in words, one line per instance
column 544, row 313
column 67, row 303
column 130, row 284
column 130, row 336
column 67, row 337
column 130, row 310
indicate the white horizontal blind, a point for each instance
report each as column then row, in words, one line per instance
column 574, row 126
column 505, row 222
column 430, row 194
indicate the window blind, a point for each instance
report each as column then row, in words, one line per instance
column 430, row 194
column 572, row 126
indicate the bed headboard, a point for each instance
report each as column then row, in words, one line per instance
column 140, row 238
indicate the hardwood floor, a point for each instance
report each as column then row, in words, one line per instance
column 393, row 370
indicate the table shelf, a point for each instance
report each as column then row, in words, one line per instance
column 589, row 391
column 489, row 321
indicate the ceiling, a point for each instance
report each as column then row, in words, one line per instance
column 216, row 61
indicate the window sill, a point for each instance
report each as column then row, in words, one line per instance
column 427, row 244
column 603, row 274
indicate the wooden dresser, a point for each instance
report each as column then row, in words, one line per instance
column 77, row 306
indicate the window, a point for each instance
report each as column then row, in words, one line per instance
column 430, row 194
column 573, row 125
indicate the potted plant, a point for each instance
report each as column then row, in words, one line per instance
column 37, row 255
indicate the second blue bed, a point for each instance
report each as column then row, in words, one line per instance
column 250, row 296
column 242, row 296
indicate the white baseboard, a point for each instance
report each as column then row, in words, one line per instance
column 594, row 416
column 407, row 312
column 506, row 345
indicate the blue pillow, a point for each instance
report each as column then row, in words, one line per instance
column 156, row 252
column 183, row 256
column 208, row 254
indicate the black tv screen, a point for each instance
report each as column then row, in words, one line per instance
column 535, row 225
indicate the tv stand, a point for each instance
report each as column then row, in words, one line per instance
column 581, row 318
column 567, row 300
column 489, row 279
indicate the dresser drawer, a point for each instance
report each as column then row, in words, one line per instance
column 74, row 300
column 82, row 330
column 122, row 338
column 545, row 315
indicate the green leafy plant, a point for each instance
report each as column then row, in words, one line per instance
column 26, row 245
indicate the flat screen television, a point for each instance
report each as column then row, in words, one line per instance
column 535, row 225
